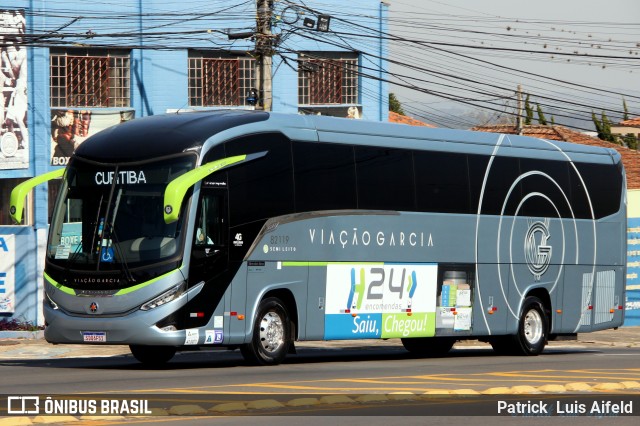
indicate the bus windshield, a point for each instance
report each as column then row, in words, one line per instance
column 110, row 217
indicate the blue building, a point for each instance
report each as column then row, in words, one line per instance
column 70, row 69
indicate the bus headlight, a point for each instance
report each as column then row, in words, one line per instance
column 166, row 297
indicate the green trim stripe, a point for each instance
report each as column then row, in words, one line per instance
column 144, row 284
column 177, row 188
column 20, row 192
column 59, row 286
column 119, row 293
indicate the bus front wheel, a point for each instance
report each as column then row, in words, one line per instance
column 154, row 356
column 270, row 340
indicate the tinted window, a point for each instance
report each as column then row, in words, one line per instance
column 550, row 178
column 325, row 177
column 211, row 223
column 261, row 188
column 385, row 178
column 604, row 184
column 477, row 168
column 215, row 153
column 442, row 183
column 502, row 175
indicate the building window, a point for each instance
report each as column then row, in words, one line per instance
column 219, row 79
column 328, row 78
column 90, row 78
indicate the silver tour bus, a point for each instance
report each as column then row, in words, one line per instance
column 254, row 230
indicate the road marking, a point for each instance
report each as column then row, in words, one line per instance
column 413, row 383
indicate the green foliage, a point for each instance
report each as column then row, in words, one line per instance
column 626, row 110
column 541, row 119
column 13, row 324
column 528, row 110
column 603, row 127
column 606, row 129
column 395, row 105
column 597, row 124
column 630, row 141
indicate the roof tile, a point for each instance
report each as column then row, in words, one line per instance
column 403, row 119
column 632, row 122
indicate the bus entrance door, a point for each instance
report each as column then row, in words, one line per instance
column 209, row 256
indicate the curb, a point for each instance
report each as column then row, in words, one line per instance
column 39, row 334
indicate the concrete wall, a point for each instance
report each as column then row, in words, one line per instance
column 623, row 130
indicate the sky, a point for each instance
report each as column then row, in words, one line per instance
column 458, row 62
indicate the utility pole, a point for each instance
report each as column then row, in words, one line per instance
column 519, row 117
column 264, row 53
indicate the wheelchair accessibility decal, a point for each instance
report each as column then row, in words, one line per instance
column 106, row 253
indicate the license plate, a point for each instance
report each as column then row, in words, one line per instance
column 94, row 336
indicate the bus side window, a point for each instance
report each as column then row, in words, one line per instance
column 210, row 221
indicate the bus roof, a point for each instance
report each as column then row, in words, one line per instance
column 331, row 129
column 168, row 134
column 161, row 135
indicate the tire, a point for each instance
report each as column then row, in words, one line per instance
column 429, row 346
column 271, row 336
column 533, row 328
column 153, row 356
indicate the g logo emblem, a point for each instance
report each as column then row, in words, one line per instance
column 536, row 251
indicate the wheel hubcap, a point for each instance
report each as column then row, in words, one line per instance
column 271, row 332
column 533, row 327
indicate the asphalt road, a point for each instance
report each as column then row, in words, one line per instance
column 336, row 369
column 318, row 377
column 378, row 378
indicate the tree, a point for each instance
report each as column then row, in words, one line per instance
column 541, row 119
column 603, row 127
column 625, row 117
column 630, row 141
column 606, row 129
column 597, row 124
column 395, row 105
column 528, row 110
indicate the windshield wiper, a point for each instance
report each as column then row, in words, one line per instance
column 94, row 233
column 110, row 232
column 123, row 261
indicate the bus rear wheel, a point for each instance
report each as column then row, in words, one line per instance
column 429, row 346
column 153, row 356
column 533, row 327
column 270, row 340
column 532, row 335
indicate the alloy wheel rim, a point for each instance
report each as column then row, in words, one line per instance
column 271, row 332
column 533, row 327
